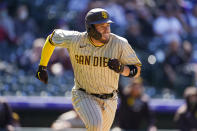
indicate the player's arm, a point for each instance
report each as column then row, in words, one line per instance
column 60, row 38
column 131, row 71
column 128, row 64
column 132, row 65
column 47, row 51
column 125, row 70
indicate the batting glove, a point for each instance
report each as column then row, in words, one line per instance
column 115, row 65
column 42, row 74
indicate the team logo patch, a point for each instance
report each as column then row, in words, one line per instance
column 104, row 14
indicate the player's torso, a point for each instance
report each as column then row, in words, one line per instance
column 84, row 53
column 90, row 65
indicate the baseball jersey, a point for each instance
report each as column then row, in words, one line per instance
column 90, row 62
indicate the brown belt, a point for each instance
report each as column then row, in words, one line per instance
column 103, row 96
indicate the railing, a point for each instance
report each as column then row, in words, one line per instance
column 35, row 102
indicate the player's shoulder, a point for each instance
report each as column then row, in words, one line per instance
column 62, row 33
column 119, row 38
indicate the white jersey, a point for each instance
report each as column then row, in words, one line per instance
column 90, row 62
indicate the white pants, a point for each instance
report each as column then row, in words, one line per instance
column 97, row 114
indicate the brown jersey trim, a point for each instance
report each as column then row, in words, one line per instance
column 50, row 38
column 92, row 43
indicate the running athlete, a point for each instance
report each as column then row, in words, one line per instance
column 98, row 58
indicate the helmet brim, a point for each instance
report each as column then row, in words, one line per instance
column 102, row 21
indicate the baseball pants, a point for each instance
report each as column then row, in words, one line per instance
column 97, row 114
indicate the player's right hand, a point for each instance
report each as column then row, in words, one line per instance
column 42, row 74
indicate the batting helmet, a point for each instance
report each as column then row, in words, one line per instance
column 96, row 16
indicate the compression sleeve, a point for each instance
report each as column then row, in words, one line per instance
column 47, row 51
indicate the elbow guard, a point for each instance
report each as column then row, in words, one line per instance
column 133, row 70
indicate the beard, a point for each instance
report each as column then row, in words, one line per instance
column 104, row 39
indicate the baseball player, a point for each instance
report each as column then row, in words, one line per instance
column 98, row 58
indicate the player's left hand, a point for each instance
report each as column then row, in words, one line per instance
column 115, row 65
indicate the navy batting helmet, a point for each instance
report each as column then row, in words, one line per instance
column 96, row 16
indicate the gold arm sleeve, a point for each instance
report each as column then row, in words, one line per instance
column 47, row 51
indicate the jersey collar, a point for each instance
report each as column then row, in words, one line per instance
column 92, row 43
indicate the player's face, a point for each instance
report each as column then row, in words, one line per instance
column 105, row 30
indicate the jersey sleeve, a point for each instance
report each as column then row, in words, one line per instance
column 129, row 56
column 63, row 38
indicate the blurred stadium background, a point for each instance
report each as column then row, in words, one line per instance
column 162, row 32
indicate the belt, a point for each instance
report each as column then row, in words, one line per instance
column 103, row 96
